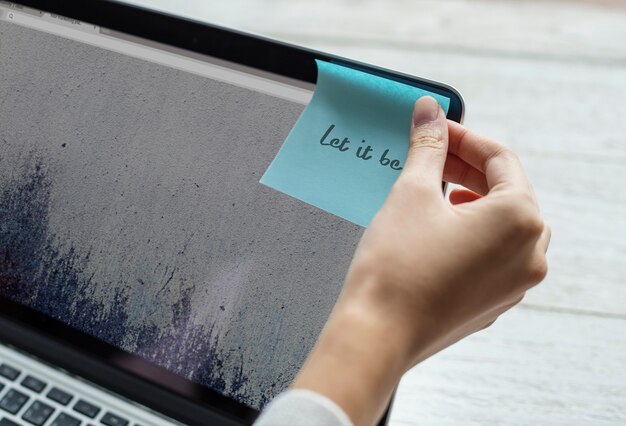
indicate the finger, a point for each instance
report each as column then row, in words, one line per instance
column 460, row 196
column 458, row 171
column 428, row 145
column 500, row 166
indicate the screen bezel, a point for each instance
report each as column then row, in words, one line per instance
column 84, row 355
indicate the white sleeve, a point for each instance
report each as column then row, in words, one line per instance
column 300, row 407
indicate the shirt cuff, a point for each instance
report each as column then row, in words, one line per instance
column 301, row 407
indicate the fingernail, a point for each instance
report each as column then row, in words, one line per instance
column 426, row 110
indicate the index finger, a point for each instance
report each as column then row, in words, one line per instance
column 500, row 165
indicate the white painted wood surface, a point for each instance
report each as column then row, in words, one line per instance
column 549, row 79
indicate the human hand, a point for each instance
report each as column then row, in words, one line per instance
column 426, row 272
column 441, row 271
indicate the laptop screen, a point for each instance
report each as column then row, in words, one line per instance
column 131, row 208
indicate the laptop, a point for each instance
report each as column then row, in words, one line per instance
column 146, row 276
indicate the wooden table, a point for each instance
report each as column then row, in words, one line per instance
column 549, row 79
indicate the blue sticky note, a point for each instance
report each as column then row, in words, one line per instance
column 325, row 161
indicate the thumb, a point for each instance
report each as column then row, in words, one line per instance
column 428, row 144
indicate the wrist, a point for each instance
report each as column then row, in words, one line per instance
column 403, row 309
column 373, row 330
column 357, row 362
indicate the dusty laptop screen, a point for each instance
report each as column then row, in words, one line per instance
column 131, row 209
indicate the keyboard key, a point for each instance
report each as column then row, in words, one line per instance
column 9, row 372
column 64, row 420
column 13, row 401
column 7, row 422
column 86, row 408
column 110, row 419
column 59, row 396
column 33, row 384
column 38, row 413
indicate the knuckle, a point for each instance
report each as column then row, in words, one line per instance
column 489, row 324
column 507, row 153
column 539, row 270
column 516, row 299
column 530, row 225
column 548, row 230
column 427, row 137
column 502, row 152
column 524, row 219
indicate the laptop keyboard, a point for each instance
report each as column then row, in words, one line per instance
column 27, row 398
